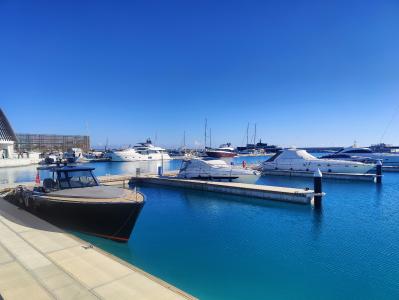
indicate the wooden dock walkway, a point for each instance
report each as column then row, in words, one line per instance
column 40, row 261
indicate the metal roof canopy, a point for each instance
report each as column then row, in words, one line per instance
column 6, row 132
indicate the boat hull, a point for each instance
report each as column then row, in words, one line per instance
column 123, row 157
column 323, row 167
column 220, row 154
column 111, row 220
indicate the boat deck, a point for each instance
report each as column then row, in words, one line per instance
column 97, row 194
column 40, row 261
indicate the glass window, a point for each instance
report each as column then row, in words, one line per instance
column 76, row 179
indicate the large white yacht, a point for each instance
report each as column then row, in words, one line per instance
column 208, row 168
column 141, row 152
column 300, row 160
column 387, row 159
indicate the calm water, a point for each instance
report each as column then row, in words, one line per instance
column 226, row 247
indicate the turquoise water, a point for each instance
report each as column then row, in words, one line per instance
column 216, row 246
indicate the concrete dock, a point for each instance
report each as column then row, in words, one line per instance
column 40, row 261
column 295, row 195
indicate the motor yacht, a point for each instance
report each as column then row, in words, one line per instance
column 300, row 160
column 224, row 150
column 141, row 152
column 212, row 169
column 73, row 155
column 72, row 198
column 387, row 159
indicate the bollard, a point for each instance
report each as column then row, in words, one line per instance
column 378, row 172
column 318, row 189
column 137, row 172
column 160, row 171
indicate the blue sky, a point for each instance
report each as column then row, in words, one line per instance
column 307, row 72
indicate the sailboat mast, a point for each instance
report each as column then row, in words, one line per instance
column 206, row 128
column 210, row 137
column 255, row 137
column 184, row 141
column 247, row 133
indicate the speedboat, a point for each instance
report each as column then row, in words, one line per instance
column 224, row 150
column 141, row 152
column 387, row 159
column 212, row 169
column 300, row 160
column 72, row 198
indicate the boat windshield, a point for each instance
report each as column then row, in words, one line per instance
column 76, row 179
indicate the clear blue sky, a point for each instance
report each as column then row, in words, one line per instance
column 307, row 72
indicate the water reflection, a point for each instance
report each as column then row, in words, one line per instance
column 317, row 221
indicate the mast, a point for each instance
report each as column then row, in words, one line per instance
column 210, row 137
column 206, row 127
column 184, row 141
column 255, row 137
column 247, row 133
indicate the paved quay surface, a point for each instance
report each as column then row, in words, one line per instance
column 40, row 261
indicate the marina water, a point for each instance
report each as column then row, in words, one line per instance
column 227, row 247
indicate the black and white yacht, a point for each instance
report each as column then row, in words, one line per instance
column 72, row 198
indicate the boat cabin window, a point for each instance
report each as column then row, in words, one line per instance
column 185, row 165
column 76, row 179
column 273, row 158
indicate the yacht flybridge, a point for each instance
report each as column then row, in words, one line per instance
column 300, row 160
column 141, row 152
column 208, row 168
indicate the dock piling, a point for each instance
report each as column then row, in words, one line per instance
column 318, row 188
column 378, row 173
column 160, row 170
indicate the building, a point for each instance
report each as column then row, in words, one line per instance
column 7, row 137
column 52, row 142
